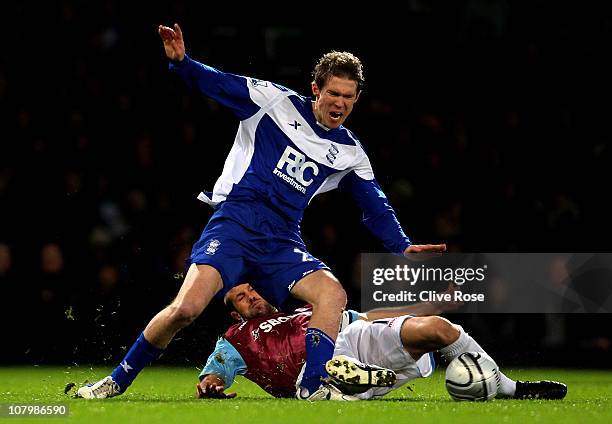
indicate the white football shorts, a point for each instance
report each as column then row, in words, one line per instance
column 378, row 343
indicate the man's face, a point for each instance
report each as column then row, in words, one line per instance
column 334, row 101
column 248, row 303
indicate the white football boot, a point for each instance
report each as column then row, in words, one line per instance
column 325, row 392
column 352, row 376
column 105, row 388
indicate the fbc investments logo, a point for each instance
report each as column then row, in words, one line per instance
column 298, row 172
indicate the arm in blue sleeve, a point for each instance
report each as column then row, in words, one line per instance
column 378, row 215
column 225, row 362
column 228, row 89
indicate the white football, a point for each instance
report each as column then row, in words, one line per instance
column 472, row 376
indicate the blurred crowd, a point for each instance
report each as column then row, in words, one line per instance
column 487, row 124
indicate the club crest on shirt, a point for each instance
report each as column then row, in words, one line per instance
column 255, row 334
column 213, row 245
column 331, row 153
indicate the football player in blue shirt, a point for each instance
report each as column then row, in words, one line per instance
column 288, row 149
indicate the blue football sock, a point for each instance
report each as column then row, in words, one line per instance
column 319, row 350
column 140, row 355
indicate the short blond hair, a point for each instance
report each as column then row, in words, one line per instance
column 338, row 64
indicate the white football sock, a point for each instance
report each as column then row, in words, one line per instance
column 465, row 343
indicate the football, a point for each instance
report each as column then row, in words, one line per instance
column 472, row 376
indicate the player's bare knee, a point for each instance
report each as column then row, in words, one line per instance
column 329, row 291
column 425, row 334
column 338, row 292
column 442, row 331
column 321, row 289
column 334, row 293
column 183, row 314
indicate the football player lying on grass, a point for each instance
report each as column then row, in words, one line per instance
column 375, row 352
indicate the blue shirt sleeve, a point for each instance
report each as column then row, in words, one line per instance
column 228, row 89
column 378, row 215
column 224, row 362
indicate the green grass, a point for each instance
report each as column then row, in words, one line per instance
column 166, row 395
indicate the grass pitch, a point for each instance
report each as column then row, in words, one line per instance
column 166, row 395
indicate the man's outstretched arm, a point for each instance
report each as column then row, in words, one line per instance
column 379, row 216
column 220, row 370
column 233, row 91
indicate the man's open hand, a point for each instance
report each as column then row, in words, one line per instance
column 423, row 248
column 173, row 42
column 212, row 387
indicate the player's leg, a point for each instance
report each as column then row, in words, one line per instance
column 421, row 335
column 289, row 269
column 327, row 297
column 201, row 283
column 217, row 261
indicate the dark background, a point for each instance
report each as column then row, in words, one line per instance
column 487, row 124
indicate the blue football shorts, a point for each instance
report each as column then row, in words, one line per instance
column 272, row 263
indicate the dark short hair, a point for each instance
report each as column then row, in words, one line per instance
column 229, row 305
column 338, row 64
